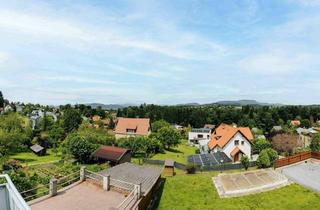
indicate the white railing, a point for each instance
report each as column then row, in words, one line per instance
column 16, row 201
column 130, row 200
column 97, row 178
column 122, row 184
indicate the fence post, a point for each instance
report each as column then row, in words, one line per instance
column 82, row 173
column 138, row 188
column 106, row 182
column 53, row 187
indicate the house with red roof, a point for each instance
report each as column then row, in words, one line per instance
column 234, row 142
column 126, row 127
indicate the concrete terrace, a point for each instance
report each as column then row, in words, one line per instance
column 83, row 196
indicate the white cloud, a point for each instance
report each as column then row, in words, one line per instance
column 278, row 62
column 54, row 29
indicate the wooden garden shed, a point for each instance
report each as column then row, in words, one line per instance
column 169, row 167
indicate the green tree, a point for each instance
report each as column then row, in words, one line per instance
column 56, row 135
column 169, row 137
column 157, row 125
column 315, row 143
column 273, row 155
column 260, row 144
column 305, row 123
column 245, row 162
column 263, row 160
column 80, row 148
column 71, row 120
column 1, row 100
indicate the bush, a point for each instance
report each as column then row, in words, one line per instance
column 266, row 158
column 263, row 160
column 245, row 162
column 315, row 143
column 191, row 169
column 12, row 165
column 197, row 151
column 80, row 148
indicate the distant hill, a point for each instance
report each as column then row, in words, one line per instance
column 233, row 103
column 242, row 103
column 109, row 106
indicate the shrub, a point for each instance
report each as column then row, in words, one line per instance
column 273, row 155
column 191, row 169
column 263, row 160
column 245, row 162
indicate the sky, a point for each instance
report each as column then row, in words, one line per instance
column 162, row 51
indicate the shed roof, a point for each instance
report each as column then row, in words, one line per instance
column 169, row 162
column 110, row 153
column 36, row 148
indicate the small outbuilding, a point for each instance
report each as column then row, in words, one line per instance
column 114, row 155
column 169, row 167
column 38, row 150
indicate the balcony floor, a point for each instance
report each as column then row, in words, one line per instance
column 84, row 196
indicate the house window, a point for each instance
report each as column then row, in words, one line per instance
column 208, row 136
column 200, row 136
column 131, row 130
column 236, row 142
column 242, row 142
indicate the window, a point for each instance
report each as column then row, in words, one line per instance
column 208, row 136
column 200, row 136
column 242, row 142
column 236, row 142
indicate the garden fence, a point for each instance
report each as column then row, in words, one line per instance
column 214, row 167
column 296, row 158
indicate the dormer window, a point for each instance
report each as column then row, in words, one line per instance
column 131, row 130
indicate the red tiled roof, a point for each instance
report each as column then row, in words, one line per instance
column 224, row 133
column 235, row 151
column 109, row 153
column 141, row 125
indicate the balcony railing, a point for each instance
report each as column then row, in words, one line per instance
column 10, row 198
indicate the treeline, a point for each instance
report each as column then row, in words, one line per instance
column 253, row 116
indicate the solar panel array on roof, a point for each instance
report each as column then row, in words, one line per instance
column 209, row 159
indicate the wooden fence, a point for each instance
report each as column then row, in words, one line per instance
column 296, row 158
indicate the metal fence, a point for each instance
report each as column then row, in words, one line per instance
column 36, row 192
column 213, row 167
column 68, row 180
column 95, row 177
column 153, row 162
column 122, row 184
column 224, row 167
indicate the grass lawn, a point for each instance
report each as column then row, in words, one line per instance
column 198, row 192
column 178, row 154
column 29, row 158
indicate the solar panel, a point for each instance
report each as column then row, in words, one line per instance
column 209, row 159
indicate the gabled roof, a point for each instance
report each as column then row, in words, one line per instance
column 109, row 153
column 224, row 133
column 235, row 151
column 141, row 125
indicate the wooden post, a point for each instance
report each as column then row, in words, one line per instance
column 106, row 182
column 53, row 187
column 82, row 173
column 138, row 188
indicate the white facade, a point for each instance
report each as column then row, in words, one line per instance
column 243, row 144
column 203, row 146
column 198, row 134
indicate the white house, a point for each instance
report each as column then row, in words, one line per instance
column 234, row 142
column 197, row 134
